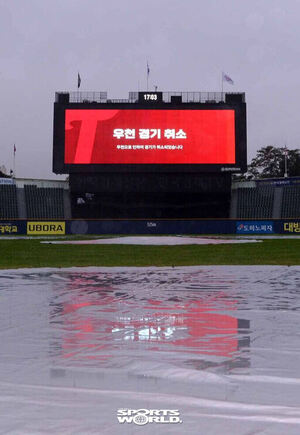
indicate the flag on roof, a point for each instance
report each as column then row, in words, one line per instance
column 226, row 78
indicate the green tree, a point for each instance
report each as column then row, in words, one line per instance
column 3, row 173
column 269, row 162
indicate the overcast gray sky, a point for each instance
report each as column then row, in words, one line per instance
column 44, row 43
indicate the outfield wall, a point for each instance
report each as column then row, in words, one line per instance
column 143, row 226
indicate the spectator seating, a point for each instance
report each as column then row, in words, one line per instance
column 45, row 203
column 8, row 201
column 255, row 203
column 290, row 202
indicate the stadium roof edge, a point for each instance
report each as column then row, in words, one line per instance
column 166, row 97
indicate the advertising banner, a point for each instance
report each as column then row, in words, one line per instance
column 291, row 227
column 46, row 228
column 12, row 227
column 254, row 227
column 155, row 226
column 8, row 228
column 7, row 181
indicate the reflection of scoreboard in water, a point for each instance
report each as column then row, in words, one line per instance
column 150, row 134
column 156, row 154
column 98, row 321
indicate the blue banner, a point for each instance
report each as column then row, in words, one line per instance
column 152, row 226
column 255, row 227
column 12, row 227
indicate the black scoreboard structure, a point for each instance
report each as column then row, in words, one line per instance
column 154, row 155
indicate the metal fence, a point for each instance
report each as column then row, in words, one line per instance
column 88, row 97
column 186, row 97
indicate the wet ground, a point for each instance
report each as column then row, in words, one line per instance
column 219, row 344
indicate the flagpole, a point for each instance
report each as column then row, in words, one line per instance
column 285, row 162
column 147, row 77
column 148, row 72
column 14, row 162
column 226, row 78
column 222, row 81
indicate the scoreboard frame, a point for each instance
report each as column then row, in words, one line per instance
column 60, row 167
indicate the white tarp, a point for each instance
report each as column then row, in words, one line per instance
column 155, row 240
column 218, row 344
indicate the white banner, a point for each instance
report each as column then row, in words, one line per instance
column 7, row 181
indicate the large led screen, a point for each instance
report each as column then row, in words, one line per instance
column 149, row 136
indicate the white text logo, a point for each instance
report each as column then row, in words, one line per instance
column 144, row 416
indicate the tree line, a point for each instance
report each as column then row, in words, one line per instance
column 273, row 162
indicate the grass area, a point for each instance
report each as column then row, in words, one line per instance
column 32, row 253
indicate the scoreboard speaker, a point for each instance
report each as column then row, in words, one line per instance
column 176, row 99
column 235, row 98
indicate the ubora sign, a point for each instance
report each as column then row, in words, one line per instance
column 46, row 228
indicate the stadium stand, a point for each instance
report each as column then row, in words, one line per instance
column 290, row 207
column 255, row 203
column 8, row 201
column 48, row 199
column 44, row 202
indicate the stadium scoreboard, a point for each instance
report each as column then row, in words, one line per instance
column 149, row 135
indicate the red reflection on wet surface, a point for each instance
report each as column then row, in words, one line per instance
column 105, row 323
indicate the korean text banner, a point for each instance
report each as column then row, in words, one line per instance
column 129, row 136
column 257, row 227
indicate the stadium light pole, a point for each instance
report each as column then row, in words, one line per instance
column 285, row 162
column 14, row 161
